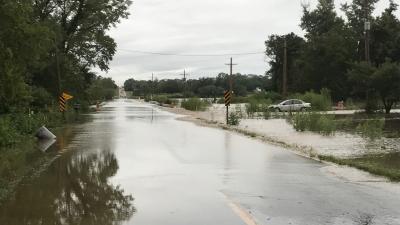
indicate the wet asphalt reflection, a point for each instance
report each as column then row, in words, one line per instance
column 136, row 164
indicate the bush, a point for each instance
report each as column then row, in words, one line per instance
column 195, row 104
column 8, row 132
column 319, row 102
column 233, row 119
column 41, row 98
column 371, row 129
column 315, row 122
column 257, row 105
column 16, row 126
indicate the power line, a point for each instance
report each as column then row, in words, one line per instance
column 191, row 55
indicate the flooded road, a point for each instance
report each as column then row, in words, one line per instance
column 135, row 164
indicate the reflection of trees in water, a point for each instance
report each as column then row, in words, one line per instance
column 75, row 190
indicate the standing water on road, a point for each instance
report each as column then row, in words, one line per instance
column 135, row 164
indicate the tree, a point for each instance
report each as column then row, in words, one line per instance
column 357, row 12
column 275, row 51
column 81, row 26
column 22, row 43
column 328, row 51
column 386, row 82
column 386, row 37
column 102, row 89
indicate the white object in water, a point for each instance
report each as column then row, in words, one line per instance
column 44, row 133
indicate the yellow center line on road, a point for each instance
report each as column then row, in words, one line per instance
column 242, row 213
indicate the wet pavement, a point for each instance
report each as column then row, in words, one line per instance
column 136, row 164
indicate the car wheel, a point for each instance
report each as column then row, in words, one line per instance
column 303, row 109
column 277, row 110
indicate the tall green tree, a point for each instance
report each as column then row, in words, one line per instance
column 22, row 44
column 357, row 12
column 81, row 40
column 385, row 43
column 329, row 49
column 386, row 82
column 275, row 52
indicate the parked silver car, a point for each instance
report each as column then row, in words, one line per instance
column 291, row 106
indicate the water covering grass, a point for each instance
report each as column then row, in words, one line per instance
column 195, row 104
column 372, row 129
column 315, row 122
column 386, row 165
column 17, row 127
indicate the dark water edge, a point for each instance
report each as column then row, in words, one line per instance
column 25, row 161
column 349, row 123
column 28, row 159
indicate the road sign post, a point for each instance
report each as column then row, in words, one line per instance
column 63, row 102
column 227, row 100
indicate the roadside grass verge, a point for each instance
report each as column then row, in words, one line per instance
column 19, row 127
column 370, row 164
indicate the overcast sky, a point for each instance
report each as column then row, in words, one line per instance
column 201, row 27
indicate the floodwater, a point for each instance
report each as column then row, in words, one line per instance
column 135, row 164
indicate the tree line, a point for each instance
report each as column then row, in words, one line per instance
column 334, row 53
column 206, row 87
column 50, row 46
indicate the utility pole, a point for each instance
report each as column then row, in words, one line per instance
column 230, row 87
column 58, row 74
column 284, row 90
column 184, row 81
column 184, row 75
column 367, row 27
column 152, row 86
column 231, row 75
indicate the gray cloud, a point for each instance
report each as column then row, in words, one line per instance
column 200, row 27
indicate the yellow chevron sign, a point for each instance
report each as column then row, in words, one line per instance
column 67, row 96
column 227, row 98
column 63, row 101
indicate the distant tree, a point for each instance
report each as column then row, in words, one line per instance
column 386, row 82
column 102, row 89
column 210, row 91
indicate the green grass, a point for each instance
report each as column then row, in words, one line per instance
column 372, row 129
column 319, row 101
column 17, row 127
column 195, row 104
column 372, row 164
column 315, row 122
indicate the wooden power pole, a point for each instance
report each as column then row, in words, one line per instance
column 231, row 75
column 285, row 89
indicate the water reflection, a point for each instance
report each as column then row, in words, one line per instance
column 45, row 144
column 74, row 190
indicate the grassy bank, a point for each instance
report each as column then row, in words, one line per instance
column 374, row 164
column 20, row 156
column 20, row 127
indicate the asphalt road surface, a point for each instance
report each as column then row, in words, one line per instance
column 133, row 163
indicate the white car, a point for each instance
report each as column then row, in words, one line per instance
column 291, row 106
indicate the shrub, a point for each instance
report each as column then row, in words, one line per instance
column 320, row 102
column 315, row 122
column 257, row 105
column 371, row 129
column 195, row 104
column 233, row 119
column 8, row 133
